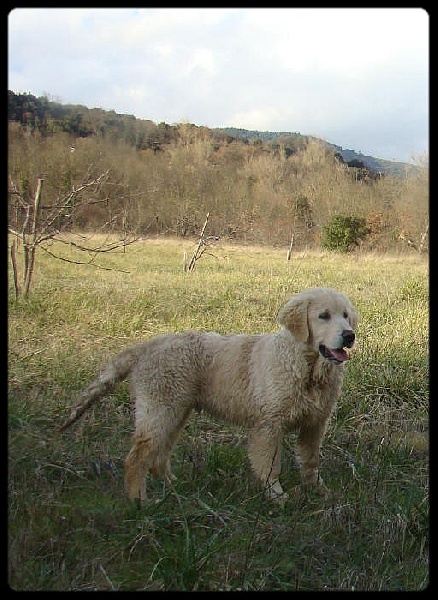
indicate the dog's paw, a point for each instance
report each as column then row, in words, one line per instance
column 276, row 493
column 281, row 499
column 136, row 502
column 316, row 489
column 321, row 488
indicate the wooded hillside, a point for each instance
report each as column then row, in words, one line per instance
column 164, row 179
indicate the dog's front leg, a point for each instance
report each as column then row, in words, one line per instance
column 309, row 444
column 264, row 452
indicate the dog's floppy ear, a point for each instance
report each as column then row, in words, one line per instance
column 293, row 315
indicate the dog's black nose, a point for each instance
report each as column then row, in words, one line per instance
column 348, row 337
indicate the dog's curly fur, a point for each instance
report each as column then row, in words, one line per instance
column 269, row 383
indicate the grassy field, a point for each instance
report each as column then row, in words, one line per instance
column 70, row 526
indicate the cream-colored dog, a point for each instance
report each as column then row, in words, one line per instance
column 269, row 383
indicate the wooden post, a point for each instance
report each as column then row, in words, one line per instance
column 30, row 248
column 289, row 252
column 197, row 252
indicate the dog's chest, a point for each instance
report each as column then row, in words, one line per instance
column 315, row 397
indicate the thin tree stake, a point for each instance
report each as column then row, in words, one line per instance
column 197, row 254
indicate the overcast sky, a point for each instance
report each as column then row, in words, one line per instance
column 358, row 78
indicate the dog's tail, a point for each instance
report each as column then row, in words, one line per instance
column 116, row 370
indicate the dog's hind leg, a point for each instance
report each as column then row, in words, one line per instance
column 137, row 464
column 152, row 446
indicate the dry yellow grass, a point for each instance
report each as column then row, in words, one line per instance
column 70, row 526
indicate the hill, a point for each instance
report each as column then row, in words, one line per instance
column 370, row 162
column 163, row 179
column 49, row 117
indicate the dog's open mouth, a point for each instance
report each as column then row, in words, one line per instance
column 336, row 355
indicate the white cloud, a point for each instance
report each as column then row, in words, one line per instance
column 201, row 59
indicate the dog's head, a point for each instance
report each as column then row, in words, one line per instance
column 322, row 318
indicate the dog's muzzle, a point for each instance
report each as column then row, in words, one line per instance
column 339, row 355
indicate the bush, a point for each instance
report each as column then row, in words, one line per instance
column 343, row 232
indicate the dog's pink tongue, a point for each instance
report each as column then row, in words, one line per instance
column 340, row 354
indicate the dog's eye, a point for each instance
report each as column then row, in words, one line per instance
column 345, row 314
column 325, row 316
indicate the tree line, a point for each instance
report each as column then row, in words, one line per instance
column 163, row 180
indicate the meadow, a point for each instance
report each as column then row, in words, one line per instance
column 70, row 526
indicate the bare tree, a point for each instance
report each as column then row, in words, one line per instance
column 33, row 224
column 422, row 244
column 202, row 246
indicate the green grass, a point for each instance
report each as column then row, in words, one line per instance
column 70, row 526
